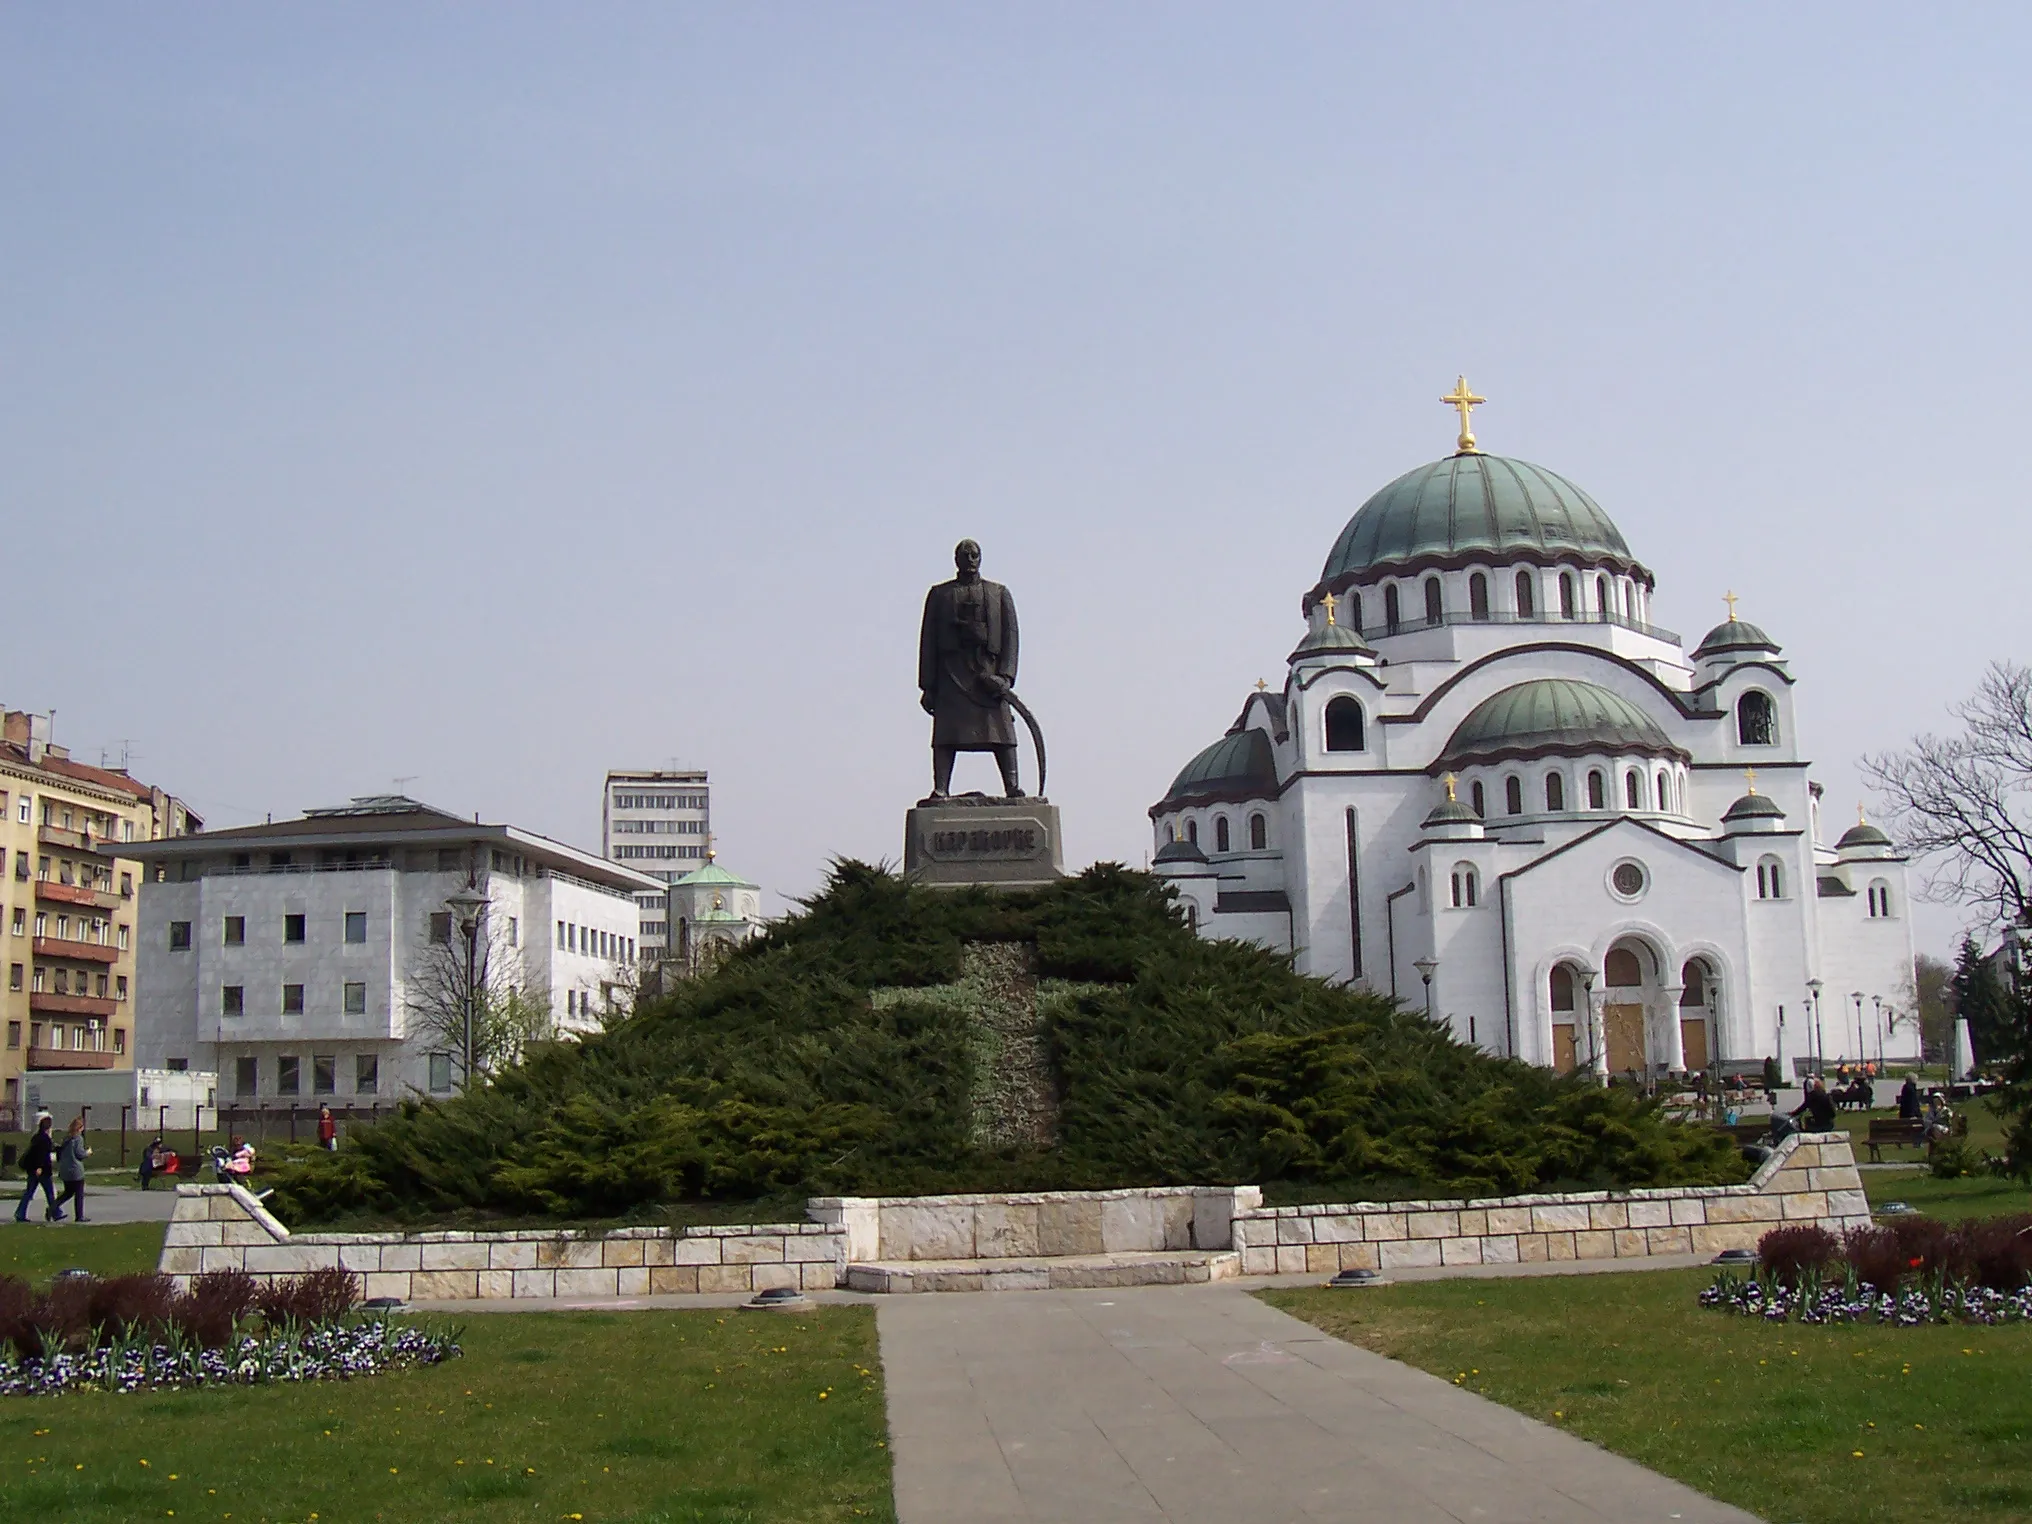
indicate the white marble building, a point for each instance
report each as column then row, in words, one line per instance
column 288, row 957
column 1488, row 784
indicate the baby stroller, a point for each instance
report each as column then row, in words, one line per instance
column 223, row 1171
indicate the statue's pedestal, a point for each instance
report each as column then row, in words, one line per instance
column 972, row 839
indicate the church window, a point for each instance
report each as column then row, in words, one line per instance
column 1633, row 791
column 1756, row 719
column 1464, row 886
column 1220, row 833
column 1351, row 610
column 1880, row 901
column 1597, row 790
column 1628, row 879
column 1526, row 605
column 1192, row 832
column 1513, row 795
column 1259, row 833
column 1664, row 792
column 1478, row 596
column 1770, row 879
column 1555, row 792
column 1562, row 987
column 1435, row 603
column 1390, row 616
column 1481, row 801
column 1621, row 970
column 1566, row 595
column 1343, row 724
column 1602, row 597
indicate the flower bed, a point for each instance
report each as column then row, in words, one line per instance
column 134, row 1332
column 1907, row 1272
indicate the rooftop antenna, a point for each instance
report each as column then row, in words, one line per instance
column 406, row 778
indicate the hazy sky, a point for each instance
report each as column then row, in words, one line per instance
column 492, row 395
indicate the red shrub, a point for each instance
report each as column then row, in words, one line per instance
column 317, row 1296
column 1877, row 1256
column 1928, row 1245
column 130, row 1302
column 1998, row 1251
column 1784, row 1252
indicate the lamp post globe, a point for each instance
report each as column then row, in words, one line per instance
column 1426, row 967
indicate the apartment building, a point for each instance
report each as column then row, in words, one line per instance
column 659, row 823
column 304, row 959
column 67, row 837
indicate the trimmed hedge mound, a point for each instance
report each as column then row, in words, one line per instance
column 1177, row 1061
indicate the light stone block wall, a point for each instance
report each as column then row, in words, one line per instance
column 1035, row 1224
column 222, row 1227
column 1810, row 1178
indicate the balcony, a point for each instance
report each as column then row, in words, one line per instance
column 82, row 952
column 76, row 894
column 71, row 1058
column 42, row 1003
column 70, row 841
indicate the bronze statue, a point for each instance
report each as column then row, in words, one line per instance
column 966, row 674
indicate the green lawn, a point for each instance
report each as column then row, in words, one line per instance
column 39, row 1250
column 1766, row 1417
column 1950, row 1200
column 708, row 1417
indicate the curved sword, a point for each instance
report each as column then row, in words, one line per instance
column 1036, row 734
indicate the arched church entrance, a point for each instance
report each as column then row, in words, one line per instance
column 1569, row 1033
column 1699, row 1000
column 1629, row 976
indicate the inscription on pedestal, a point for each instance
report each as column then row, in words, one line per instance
column 1011, row 843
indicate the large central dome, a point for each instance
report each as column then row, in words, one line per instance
column 1472, row 507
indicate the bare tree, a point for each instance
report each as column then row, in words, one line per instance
column 507, row 1016
column 1965, row 801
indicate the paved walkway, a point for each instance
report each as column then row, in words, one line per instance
column 102, row 1204
column 1191, row 1404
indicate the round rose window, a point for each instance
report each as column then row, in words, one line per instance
column 1628, row 879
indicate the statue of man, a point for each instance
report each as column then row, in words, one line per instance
column 966, row 666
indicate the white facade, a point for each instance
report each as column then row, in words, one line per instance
column 291, row 958
column 1606, row 887
column 152, row 1100
column 658, row 823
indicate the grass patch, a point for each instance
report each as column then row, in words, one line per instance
column 707, row 1417
column 1949, row 1200
column 36, row 1252
column 1767, row 1417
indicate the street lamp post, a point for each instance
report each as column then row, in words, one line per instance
column 469, row 907
column 1426, row 967
column 1813, row 988
column 1862, row 1053
column 1588, row 974
column 1879, row 999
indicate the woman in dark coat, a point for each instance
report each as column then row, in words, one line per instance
column 38, row 1162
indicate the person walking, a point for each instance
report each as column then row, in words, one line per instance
column 1908, row 1100
column 38, row 1163
column 327, row 1130
column 70, row 1168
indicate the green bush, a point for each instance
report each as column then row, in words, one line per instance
column 1175, row 1061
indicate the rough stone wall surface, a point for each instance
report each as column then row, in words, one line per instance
column 219, row 1227
column 1810, row 1178
column 1025, row 1225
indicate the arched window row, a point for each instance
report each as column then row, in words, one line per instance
column 1225, row 830
column 1662, row 791
column 1438, row 596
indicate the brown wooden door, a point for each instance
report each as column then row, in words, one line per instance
column 1625, row 1024
column 1563, row 1051
column 1693, row 1037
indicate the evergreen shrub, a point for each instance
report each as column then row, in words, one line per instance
column 1176, row 1061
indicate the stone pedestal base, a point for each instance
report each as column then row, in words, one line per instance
column 994, row 843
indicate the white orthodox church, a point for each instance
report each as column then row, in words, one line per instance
column 1490, row 786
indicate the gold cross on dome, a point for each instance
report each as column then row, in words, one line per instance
column 1464, row 402
column 1730, row 599
column 711, row 851
column 1449, row 780
column 1329, row 603
column 1750, row 777
column 1261, row 686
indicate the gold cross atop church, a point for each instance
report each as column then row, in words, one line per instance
column 1329, row 603
column 1730, row 599
column 1465, row 402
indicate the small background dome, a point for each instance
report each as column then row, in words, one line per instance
column 1734, row 635
column 1862, row 834
column 1554, row 716
column 1754, row 807
column 1240, row 765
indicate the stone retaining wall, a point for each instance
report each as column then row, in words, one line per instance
column 218, row 1227
column 1810, row 1178
column 1033, row 1224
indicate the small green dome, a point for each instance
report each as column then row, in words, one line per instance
column 1554, row 716
column 1240, row 765
column 1469, row 506
column 1179, row 850
column 1753, row 807
column 1332, row 640
column 1862, row 834
column 1451, row 812
column 1734, row 635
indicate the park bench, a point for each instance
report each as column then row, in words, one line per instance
column 1896, row 1132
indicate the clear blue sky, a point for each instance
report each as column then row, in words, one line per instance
column 498, row 394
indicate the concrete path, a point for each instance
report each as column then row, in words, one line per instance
column 1200, row 1405
column 101, row 1205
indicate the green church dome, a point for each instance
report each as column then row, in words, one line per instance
column 1240, row 765
column 1554, row 716
column 1470, row 507
column 1734, row 635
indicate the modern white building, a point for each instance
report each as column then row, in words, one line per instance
column 294, row 958
column 659, row 823
column 1490, row 786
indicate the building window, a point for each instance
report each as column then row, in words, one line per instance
column 123, row 936
column 41, row 925
column 1555, row 792
column 1602, row 596
column 1756, row 719
column 119, row 1039
column 119, row 986
column 293, row 928
column 13, row 1034
column 98, row 984
column 366, row 1073
column 179, row 936
column 232, row 1000
column 1478, row 596
column 441, row 927
column 440, row 1072
column 1464, row 886
column 1220, row 833
column 356, row 999
column 514, row 931
column 1597, row 790
column 236, row 931
column 1566, row 605
column 1513, row 795
column 1192, row 832
column 14, row 976
column 1880, row 901
column 1633, row 791
column 1770, row 879
column 1351, row 610
column 292, row 1000
column 1344, row 724
column 1435, row 602
column 356, row 926
column 20, row 922
column 1259, row 833
column 1390, row 617
column 1664, row 792
column 324, row 1074
column 246, row 1075
column 1526, row 603
column 286, row 1076
column 1628, row 879
column 560, row 936
column 1480, row 800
